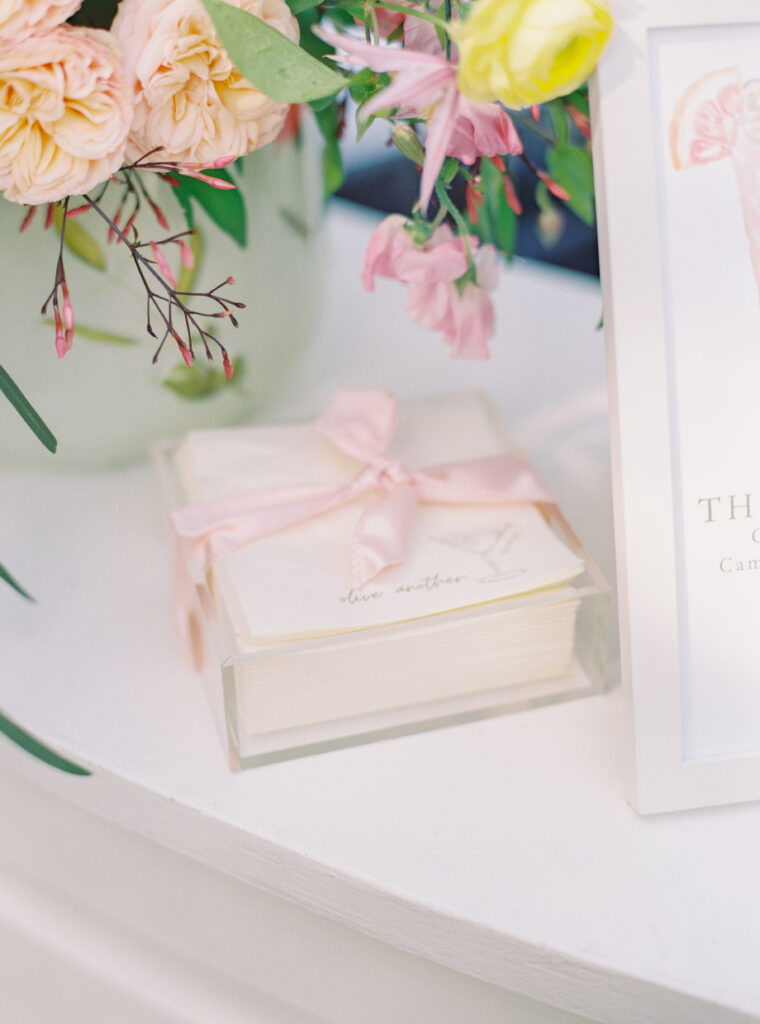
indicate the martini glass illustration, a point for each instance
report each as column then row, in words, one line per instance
column 719, row 116
column 492, row 545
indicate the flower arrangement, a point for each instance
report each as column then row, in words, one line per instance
column 101, row 99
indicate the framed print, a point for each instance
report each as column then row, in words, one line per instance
column 676, row 111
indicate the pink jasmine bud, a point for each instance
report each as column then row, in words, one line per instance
column 554, row 188
column 174, row 182
column 473, row 198
column 163, row 266
column 209, row 180
column 511, row 196
column 227, row 366
column 580, row 120
column 49, row 215
column 158, row 214
column 186, row 254
column 128, row 226
column 116, row 219
column 27, row 219
column 499, row 164
column 187, row 353
column 230, row 279
column 77, row 210
column 536, row 112
column 60, row 338
column 68, row 309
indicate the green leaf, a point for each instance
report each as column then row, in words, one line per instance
column 571, row 168
column 326, row 116
column 296, row 223
column 96, row 334
column 224, row 206
column 183, row 198
column 365, row 83
column 579, row 99
column 201, row 380
column 558, row 118
column 269, row 60
column 300, row 6
column 26, row 410
column 497, row 223
column 97, row 13
column 80, row 242
column 332, row 168
column 33, row 746
column 313, row 45
column 12, row 582
column 328, row 120
column 363, row 124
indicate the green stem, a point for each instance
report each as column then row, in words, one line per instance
column 530, row 125
column 438, row 220
column 388, row 6
column 445, row 201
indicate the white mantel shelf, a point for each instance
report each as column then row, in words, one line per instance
column 485, row 873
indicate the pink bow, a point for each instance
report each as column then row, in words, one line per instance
column 361, row 424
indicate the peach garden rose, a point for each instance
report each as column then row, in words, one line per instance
column 189, row 99
column 65, row 112
column 157, row 95
column 20, row 17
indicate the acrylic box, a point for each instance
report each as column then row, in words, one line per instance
column 495, row 607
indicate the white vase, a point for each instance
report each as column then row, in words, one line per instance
column 106, row 401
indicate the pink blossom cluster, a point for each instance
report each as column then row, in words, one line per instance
column 75, row 102
column 449, row 277
column 448, row 286
column 424, row 85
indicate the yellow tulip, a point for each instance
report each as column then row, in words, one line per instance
column 523, row 52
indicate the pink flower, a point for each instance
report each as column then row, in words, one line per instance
column 425, row 82
column 391, row 253
column 464, row 315
column 482, row 129
column 388, row 242
column 19, row 18
column 387, row 21
column 438, row 298
column 65, row 112
column 190, row 101
column 421, row 35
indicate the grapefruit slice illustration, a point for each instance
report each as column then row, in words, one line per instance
column 702, row 128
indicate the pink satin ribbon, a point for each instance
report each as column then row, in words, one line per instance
column 361, row 424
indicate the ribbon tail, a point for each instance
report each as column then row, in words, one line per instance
column 185, row 610
column 204, row 533
column 383, row 533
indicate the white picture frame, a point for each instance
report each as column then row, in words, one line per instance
column 681, row 294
